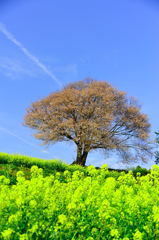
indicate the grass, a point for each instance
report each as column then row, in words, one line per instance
column 9, row 170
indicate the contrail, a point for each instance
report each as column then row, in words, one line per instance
column 19, row 137
column 12, row 38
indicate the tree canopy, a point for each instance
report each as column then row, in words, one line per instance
column 94, row 115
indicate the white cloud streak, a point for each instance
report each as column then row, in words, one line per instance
column 27, row 53
column 18, row 137
column 12, row 68
column 71, row 68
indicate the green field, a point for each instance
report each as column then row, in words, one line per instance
column 53, row 200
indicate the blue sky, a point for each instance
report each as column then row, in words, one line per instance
column 47, row 44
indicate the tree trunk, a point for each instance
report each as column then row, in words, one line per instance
column 81, row 158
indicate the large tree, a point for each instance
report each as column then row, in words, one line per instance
column 94, row 115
